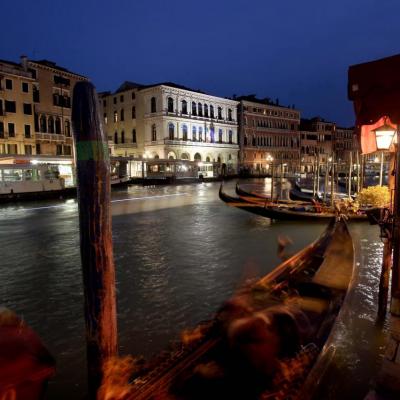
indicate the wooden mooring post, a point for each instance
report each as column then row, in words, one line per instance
column 93, row 179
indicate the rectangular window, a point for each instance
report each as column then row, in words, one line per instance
column 35, row 93
column 67, row 150
column 121, row 98
column 28, row 149
column 11, row 129
column 59, row 149
column 104, row 103
column 60, row 80
column 1, row 107
column 27, row 109
column 12, row 149
column 25, row 87
column 9, row 84
column 38, row 149
column 133, row 95
column 27, row 131
column 10, row 106
column 115, row 100
column 1, row 130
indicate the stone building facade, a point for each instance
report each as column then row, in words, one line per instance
column 35, row 108
column 169, row 121
column 268, row 135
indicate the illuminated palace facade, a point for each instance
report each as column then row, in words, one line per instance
column 169, row 121
column 269, row 134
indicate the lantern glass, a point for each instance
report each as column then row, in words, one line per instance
column 384, row 137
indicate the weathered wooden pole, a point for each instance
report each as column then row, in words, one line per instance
column 350, row 171
column 384, row 279
column 93, row 176
column 318, row 167
column 358, row 171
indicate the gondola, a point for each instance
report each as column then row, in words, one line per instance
column 284, row 212
column 251, row 196
column 270, row 341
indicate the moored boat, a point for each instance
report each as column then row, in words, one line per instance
column 271, row 341
column 289, row 212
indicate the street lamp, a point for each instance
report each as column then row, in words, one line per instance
column 384, row 136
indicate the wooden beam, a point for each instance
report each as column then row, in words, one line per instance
column 93, row 177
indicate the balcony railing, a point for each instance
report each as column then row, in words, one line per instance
column 191, row 116
column 181, row 142
column 52, row 137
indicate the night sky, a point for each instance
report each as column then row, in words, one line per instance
column 297, row 51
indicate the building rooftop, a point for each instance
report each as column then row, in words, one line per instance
column 265, row 101
column 52, row 64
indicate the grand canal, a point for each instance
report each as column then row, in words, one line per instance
column 179, row 252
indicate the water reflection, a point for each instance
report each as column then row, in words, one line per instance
column 179, row 253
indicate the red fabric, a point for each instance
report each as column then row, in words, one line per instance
column 368, row 141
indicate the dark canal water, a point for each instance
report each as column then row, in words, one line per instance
column 179, row 252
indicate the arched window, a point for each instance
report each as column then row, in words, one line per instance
column 206, row 110
column 194, row 109
column 50, row 123
column 194, row 134
column 184, row 132
column 208, row 159
column 116, row 137
column 133, row 135
column 220, row 136
column 229, row 114
column 153, row 105
column 219, row 113
column 171, row 131
column 254, row 140
column 122, row 114
column 43, row 124
column 67, row 128
column 200, row 109
column 211, row 111
column 184, row 107
column 153, row 132
column 197, row 157
column 200, row 134
column 170, row 104
column 133, row 112
column 115, row 116
column 58, row 125
column 122, row 136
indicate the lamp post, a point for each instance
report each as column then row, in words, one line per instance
column 384, row 136
column 270, row 161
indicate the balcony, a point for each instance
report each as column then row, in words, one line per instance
column 196, row 117
column 52, row 137
column 180, row 142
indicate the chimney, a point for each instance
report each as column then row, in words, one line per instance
column 24, row 63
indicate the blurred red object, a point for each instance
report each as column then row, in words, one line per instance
column 25, row 364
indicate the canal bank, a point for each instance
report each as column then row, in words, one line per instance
column 179, row 253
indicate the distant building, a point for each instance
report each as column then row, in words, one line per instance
column 268, row 134
column 321, row 139
column 35, row 108
column 169, row 121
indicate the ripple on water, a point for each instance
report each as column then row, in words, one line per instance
column 174, row 267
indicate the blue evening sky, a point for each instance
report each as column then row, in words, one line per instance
column 297, row 51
